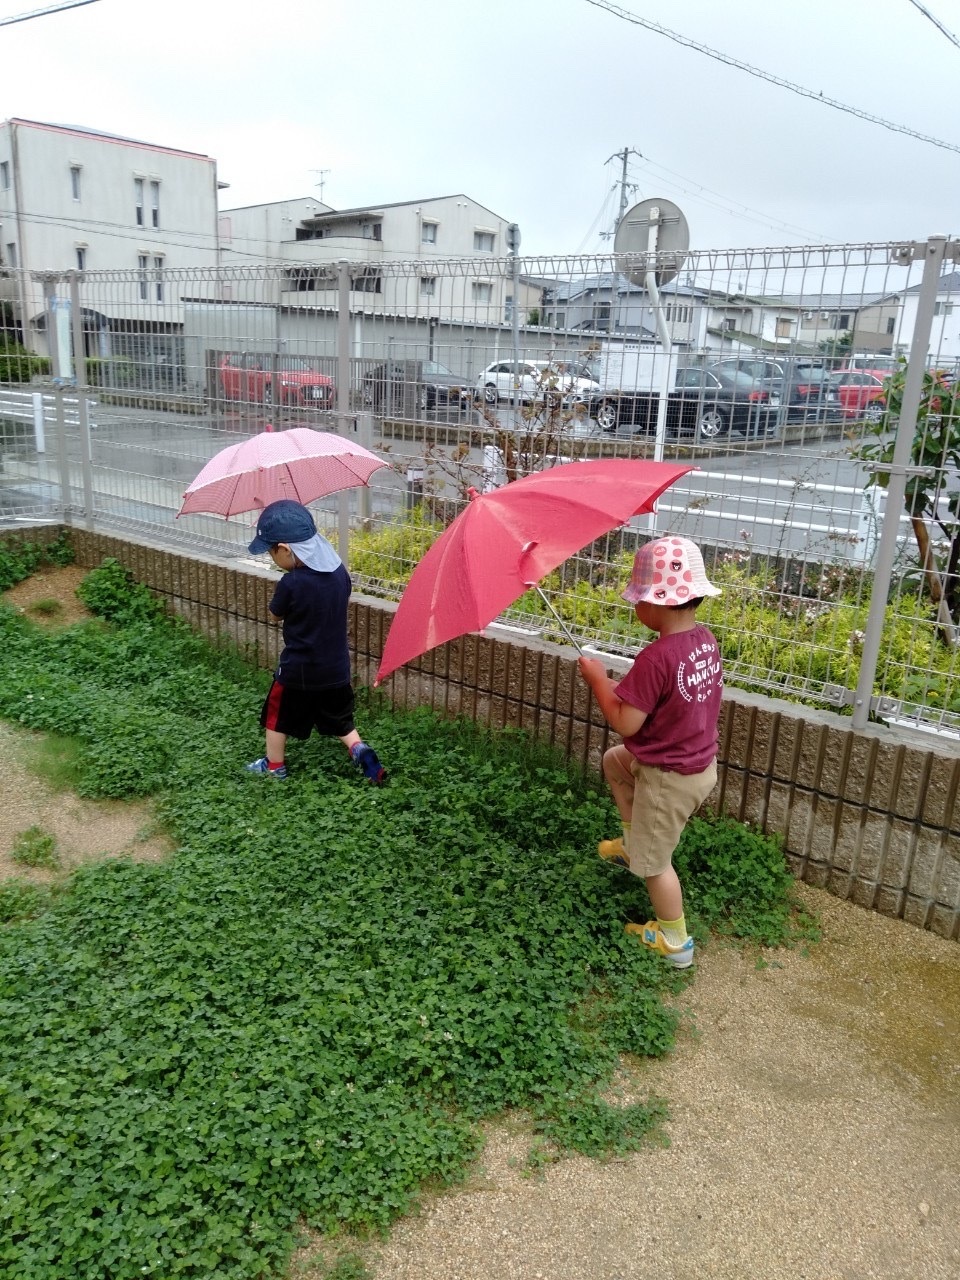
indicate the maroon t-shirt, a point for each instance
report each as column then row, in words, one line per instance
column 678, row 682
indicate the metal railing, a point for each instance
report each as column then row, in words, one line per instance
column 441, row 379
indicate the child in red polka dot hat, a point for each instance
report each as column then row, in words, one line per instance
column 668, row 571
column 666, row 709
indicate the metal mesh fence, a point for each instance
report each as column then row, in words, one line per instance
column 780, row 374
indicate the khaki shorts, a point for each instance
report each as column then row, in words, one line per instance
column 662, row 803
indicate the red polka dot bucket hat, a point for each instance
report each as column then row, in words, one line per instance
column 668, row 571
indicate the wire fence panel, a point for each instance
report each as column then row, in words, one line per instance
column 777, row 373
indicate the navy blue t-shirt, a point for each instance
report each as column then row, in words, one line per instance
column 313, row 607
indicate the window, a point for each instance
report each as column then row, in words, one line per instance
column 483, row 241
column 601, row 315
column 147, row 277
column 943, row 308
column 783, row 328
column 11, row 255
column 481, row 291
column 371, row 230
column 428, row 233
column 75, row 181
column 676, row 312
column 155, row 204
column 138, row 198
column 369, row 280
column 728, row 323
column 428, row 286
column 891, row 324
column 310, row 279
column 4, row 175
column 81, row 257
column 840, row 321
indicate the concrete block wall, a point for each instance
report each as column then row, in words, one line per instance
column 873, row 816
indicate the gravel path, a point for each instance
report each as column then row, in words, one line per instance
column 815, row 1135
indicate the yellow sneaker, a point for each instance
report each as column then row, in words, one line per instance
column 651, row 936
column 612, row 851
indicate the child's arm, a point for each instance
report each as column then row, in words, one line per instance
column 619, row 715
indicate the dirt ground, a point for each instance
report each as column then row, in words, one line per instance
column 84, row 830
column 814, row 1099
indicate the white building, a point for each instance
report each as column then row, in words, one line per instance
column 72, row 199
column 394, row 249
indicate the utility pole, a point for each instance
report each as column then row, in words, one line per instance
column 623, row 156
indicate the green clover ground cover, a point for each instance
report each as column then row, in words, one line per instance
column 301, row 1016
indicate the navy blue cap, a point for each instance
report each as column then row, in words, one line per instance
column 283, row 521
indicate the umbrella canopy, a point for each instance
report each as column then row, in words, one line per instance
column 301, row 464
column 504, row 542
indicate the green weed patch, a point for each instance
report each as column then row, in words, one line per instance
column 303, row 1014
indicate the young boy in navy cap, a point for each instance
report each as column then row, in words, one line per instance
column 311, row 687
column 666, row 708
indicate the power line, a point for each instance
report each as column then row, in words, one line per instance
column 936, row 22
column 42, row 13
column 721, row 202
column 766, row 75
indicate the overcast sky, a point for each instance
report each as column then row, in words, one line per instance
column 520, row 103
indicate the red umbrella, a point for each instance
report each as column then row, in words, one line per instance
column 504, row 542
column 301, row 464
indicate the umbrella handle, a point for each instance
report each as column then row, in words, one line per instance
column 560, row 622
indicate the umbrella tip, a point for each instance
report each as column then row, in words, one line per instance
column 268, row 426
column 472, row 493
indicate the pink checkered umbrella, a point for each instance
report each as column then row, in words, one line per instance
column 301, row 464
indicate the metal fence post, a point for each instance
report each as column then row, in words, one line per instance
column 344, row 381
column 933, row 254
column 80, row 377
column 63, row 461
column 364, row 437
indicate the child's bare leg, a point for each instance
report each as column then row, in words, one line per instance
column 276, row 746
column 666, row 896
column 620, row 779
column 350, row 739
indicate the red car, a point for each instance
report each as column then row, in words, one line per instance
column 860, row 393
column 266, row 379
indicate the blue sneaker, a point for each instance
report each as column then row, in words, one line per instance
column 368, row 762
column 263, row 766
column 651, row 935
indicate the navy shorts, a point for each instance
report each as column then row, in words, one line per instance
column 297, row 712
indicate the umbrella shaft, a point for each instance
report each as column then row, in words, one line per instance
column 560, row 622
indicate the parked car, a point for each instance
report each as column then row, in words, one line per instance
column 430, row 384
column 730, row 401
column 861, row 394
column 266, row 379
column 706, row 403
column 803, row 384
column 883, row 365
column 538, row 380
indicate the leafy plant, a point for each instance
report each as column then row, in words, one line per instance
column 302, row 1015
column 112, row 592
column 35, row 848
column 46, row 608
column 21, row 900
column 19, row 559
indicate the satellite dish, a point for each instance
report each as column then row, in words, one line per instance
column 653, row 227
